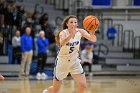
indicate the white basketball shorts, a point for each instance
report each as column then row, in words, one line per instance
column 64, row 66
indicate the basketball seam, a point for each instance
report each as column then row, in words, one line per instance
column 90, row 23
column 87, row 19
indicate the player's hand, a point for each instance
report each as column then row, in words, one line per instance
column 92, row 32
column 73, row 30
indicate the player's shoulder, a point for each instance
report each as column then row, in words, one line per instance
column 64, row 31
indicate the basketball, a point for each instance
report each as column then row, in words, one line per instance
column 91, row 23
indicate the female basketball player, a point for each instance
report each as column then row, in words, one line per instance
column 67, row 60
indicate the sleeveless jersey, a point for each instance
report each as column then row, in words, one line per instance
column 72, row 47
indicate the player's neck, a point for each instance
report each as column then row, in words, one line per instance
column 69, row 33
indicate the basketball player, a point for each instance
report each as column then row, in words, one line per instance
column 1, row 77
column 67, row 60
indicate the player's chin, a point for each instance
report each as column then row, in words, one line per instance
column 73, row 27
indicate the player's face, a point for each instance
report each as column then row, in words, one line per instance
column 72, row 23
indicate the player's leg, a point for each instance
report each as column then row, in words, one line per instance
column 80, row 79
column 61, row 71
column 78, row 75
column 59, row 75
column 54, row 88
column 1, row 77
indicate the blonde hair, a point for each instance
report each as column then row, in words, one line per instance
column 63, row 26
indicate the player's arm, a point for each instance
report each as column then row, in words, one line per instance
column 64, row 39
column 90, row 36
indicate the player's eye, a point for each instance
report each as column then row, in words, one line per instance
column 71, row 22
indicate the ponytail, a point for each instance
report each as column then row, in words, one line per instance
column 57, row 38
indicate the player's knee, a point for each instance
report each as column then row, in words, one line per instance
column 50, row 88
column 83, row 85
column 54, row 89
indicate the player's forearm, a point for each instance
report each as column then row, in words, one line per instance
column 66, row 40
column 92, row 36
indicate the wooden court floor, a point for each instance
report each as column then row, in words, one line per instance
column 98, row 85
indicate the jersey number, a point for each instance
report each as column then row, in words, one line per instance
column 71, row 49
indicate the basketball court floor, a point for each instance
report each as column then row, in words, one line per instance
column 96, row 84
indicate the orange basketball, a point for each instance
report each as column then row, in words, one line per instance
column 91, row 23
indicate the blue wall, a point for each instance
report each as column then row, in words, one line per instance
column 102, row 2
column 136, row 2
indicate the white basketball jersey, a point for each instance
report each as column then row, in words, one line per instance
column 72, row 47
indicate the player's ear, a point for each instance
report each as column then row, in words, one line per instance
column 67, row 24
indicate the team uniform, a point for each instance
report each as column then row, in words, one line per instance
column 68, row 58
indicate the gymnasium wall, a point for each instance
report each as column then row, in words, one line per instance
column 132, row 25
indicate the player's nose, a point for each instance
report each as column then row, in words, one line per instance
column 73, row 24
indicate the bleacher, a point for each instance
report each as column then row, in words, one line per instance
column 122, row 55
column 3, row 59
column 122, row 61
